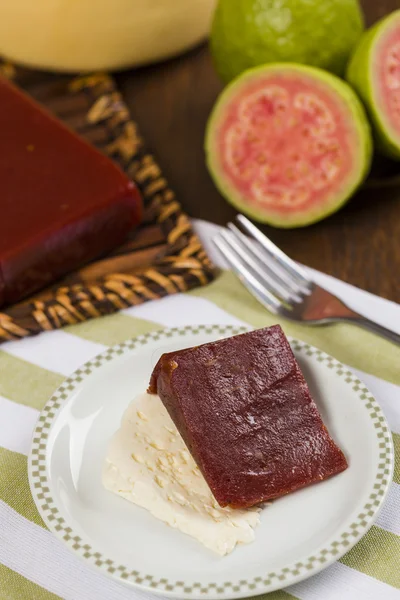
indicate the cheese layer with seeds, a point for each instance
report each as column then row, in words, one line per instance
column 148, row 464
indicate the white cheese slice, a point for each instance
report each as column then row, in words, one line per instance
column 148, row 464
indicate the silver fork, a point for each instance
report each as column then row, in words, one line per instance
column 281, row 285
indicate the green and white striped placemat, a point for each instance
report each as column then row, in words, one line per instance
column 34, row 565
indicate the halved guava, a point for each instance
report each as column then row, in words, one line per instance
column 288, row 144
column 374, row 72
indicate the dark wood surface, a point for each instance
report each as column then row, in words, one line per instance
column 360, row 244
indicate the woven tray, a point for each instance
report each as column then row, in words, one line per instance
column 162, row 257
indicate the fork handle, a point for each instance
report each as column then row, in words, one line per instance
column 375, row 328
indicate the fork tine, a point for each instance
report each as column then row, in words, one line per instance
column 246, row 278
column 259, row 269
column 275, row 271
column 273, row 251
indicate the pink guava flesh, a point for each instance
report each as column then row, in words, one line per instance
column 286, row 143
column 387, row 74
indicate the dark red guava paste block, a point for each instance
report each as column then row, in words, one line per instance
column 62, row 202
column 245, row 412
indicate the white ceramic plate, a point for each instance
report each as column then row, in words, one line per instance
column 299, row 534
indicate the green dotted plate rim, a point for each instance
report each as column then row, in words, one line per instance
column 40, row 485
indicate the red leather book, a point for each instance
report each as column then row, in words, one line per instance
column 62, row 203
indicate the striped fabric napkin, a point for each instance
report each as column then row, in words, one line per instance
column 34, row 565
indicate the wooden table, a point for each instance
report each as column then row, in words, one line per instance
column 171, row 102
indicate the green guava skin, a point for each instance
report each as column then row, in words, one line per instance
column 317, row 213
column 360, row 76
column 249, row 33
